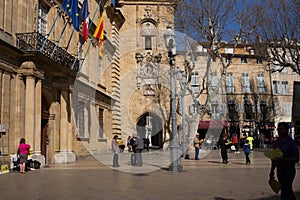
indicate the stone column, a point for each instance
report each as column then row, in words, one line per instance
column 71, row 154
column 5, row 111
column 70, row 131
column 63, row 121
column 1, row 73
column 29, row 111
column 33, row 106
column 18, row 126
column 38, row 115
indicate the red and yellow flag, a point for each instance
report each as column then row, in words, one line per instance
column 99, row 32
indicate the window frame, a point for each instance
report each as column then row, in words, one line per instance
column 261, row 84
column 229, row 83
column 42, row 18
column 244, row 60
column 245, row 83
column 101, row 123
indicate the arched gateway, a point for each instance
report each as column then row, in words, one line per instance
column 150, row 125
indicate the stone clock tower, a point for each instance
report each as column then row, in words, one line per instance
column 142, row 92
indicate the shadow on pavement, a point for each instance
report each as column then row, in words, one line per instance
column 274, row 197
column 212, row 161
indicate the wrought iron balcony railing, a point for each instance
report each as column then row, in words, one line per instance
column 36, row 42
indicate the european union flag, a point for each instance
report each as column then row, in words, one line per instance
column 71, row 8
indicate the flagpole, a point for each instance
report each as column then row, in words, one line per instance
column 60, row 36
column 90, row 42
column 70, row 39
column 85, row 55
column 50, row 31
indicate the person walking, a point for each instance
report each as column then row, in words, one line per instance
column 139, row 142
column 116, row 151
column 147, row 141
column 261, row 140
column 285, row 165
column 23, row 152
column 197, row 146
column 128, row 143
column 247, row 151
column 223, row 142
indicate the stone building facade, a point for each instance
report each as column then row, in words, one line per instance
column 284, row 84
column 144, row 69
column 52, row 83
column 249, row 92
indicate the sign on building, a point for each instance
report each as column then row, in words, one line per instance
column 2, row 128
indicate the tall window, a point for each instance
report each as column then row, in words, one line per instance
column 277, row 109
column 214, row 81
column 285, row 87
column 229, row 83
column 42, row 19
column 261, row 83
column 80, row 119
column 248, row 111
column 276, row 87
column 101, row 122
column 263, row 110
column 244, row 60
column 245, row 83
column 259, row 61
column 195, row 82
column 215, row 109
column 287, row 108
column 228, row 59
column 232, row 113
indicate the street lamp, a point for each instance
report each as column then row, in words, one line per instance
column 169, row 36
column 256, row 97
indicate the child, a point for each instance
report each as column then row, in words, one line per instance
column 247, row 151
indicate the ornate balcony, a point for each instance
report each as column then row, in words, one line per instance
column 36, row 42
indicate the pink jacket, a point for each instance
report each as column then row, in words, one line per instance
column 24, row 148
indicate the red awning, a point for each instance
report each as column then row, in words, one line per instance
column 212, row 124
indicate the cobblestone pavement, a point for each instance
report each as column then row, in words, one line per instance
column 204, row 179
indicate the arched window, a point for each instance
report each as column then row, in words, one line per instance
column 148, row 33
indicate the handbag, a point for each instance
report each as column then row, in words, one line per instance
column 275, row 185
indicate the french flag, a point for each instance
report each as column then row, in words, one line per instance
column 84, row 15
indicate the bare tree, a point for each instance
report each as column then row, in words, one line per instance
column 214, row 24
column 277, row 33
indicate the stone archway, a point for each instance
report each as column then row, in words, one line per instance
column 150, row 124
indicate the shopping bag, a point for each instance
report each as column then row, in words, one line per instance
column 275, row 185
column 232, row 148
column 273, row 154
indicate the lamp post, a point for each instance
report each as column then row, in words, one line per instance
column 175, row 165
column 256, row 97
